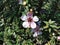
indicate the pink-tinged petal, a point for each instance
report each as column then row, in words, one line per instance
column 33, row 25
column 35, row 18
column 23, row 17
column 25, row 24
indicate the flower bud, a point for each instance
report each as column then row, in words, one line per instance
column 58, row 38
column 24, row 3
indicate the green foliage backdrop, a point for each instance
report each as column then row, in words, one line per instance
column 11, row 30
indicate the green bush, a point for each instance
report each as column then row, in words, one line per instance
column 13, row 33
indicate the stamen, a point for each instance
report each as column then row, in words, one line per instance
column 29, row 19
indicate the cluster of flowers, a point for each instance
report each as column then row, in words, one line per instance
column 31, row 22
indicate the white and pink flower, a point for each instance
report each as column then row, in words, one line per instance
column 29, row 20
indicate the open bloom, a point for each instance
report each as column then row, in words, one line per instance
column 29, row 20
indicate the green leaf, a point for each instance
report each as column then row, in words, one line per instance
column 51, row 22
column 49, row 30
column 54, row 26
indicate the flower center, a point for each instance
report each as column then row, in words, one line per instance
column 29, row 19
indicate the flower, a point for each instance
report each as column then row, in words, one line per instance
column 29, row 20
column 35, row 34
column 58, row 38
column 36, row 31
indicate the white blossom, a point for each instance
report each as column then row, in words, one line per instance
column 29, row 20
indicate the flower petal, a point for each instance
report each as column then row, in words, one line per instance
column 35, row 34
column 25, row 24
column 24, row 18
column 35, row 18
column 33, row 25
